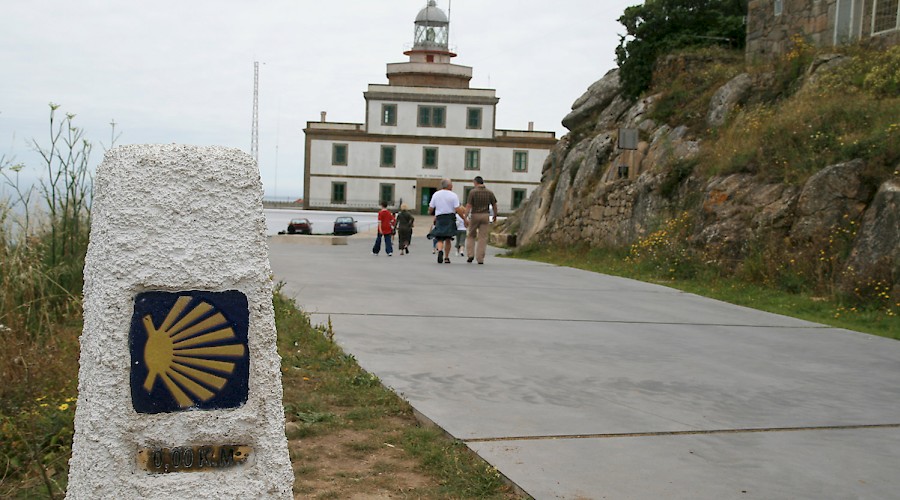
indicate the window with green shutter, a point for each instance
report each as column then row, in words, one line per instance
column 432, row 116
column 429, row 157
column 473, row 118
column 518, row 197
column 386, row 192
column 388, row 156
column 520, row 161
column 339, row 154
column 339, row 192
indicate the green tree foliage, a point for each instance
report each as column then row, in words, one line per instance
column 660, row 26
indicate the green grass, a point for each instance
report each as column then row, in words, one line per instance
column 709, row 283
column 327, row 393
column 787, row 136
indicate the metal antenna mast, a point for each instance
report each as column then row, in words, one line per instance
column 254, row 134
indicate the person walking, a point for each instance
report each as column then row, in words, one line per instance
column 444, row 205
column 460, row 235
column 478, row 210
column 405, row 223
column 385, row 228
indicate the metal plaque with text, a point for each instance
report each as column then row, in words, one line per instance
column 192, row 458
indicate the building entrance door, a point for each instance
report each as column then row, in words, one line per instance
column 427, row 193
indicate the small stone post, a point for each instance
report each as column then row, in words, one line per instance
column 179, row 392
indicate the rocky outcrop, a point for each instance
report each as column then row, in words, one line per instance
column 735, row 207
column 727, row 98
column 597, row 97
column 833, row 194
column 877, row 249
column 585, row 198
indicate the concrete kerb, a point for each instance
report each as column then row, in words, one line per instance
column 427, row 423
column 308, row 239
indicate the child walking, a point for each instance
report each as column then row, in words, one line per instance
column 460, row 235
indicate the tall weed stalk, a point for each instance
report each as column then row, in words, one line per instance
column 43, row 241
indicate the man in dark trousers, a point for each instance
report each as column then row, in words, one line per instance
column 478, row 209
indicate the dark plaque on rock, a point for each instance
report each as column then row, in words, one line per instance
column 628, row 138
column 189, row 351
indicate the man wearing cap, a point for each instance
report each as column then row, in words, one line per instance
column 478, row 210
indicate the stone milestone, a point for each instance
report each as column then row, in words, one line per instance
column 179, row 386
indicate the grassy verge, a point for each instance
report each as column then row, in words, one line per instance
column 36, row 422
column 709, row 283
column 349, row 435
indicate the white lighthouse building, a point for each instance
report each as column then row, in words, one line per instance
column 425, row 124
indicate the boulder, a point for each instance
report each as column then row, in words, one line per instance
column 596, row 98
column 634, row 116
column 668, row 145
column 876, row 252
column 822, row 65
column 725, row 99
column 832, row 195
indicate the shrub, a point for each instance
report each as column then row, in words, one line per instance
column 687, row 82
column 659, row 27
column 667, row 252
column 838, row 119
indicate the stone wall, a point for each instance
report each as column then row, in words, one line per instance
column 769, row 35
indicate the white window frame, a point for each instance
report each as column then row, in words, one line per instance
column 874, row 19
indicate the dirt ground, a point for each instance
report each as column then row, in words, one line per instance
column 353, row 464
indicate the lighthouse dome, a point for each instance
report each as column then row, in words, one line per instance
column 432, row 15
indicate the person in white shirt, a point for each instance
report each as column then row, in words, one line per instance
column 444, row 205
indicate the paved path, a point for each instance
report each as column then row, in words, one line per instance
column 584, row 386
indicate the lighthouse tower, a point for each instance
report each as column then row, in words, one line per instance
column 429, row 58
column 426, row 123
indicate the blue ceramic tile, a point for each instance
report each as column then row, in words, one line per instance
column 189, row 351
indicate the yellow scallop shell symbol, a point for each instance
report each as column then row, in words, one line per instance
column 177, row 352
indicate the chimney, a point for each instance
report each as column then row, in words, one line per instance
column 323, row 113
column 531, row 126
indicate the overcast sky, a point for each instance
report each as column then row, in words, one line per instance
column 182, row 71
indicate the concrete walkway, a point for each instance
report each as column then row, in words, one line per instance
column 584, row 386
